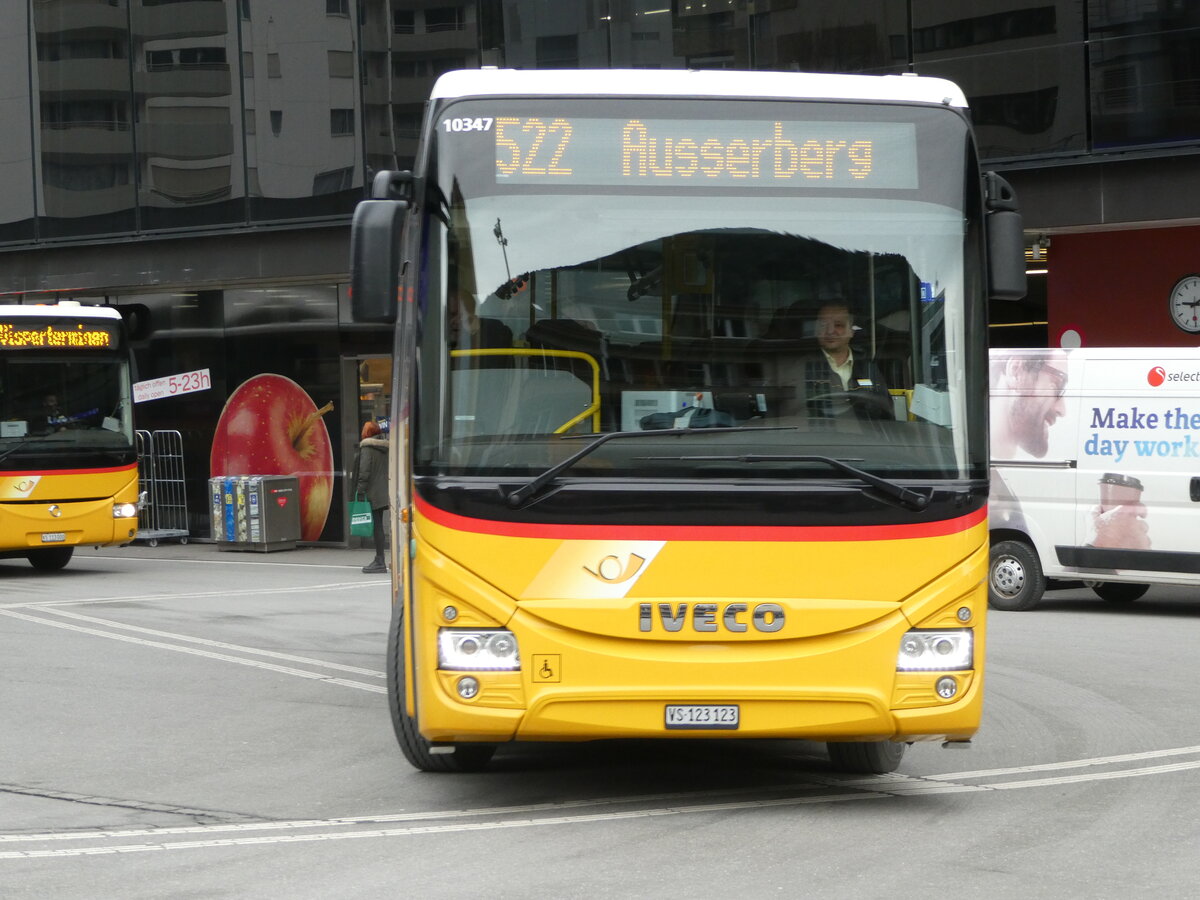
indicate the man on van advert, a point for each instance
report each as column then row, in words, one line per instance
column 1027, row 398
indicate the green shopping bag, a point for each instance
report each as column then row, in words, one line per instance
column 361, row 523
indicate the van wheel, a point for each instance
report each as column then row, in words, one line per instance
column 1118, row 591
column 1015, row 579
column 50, row 560
column 866, row 757
column 416, row 749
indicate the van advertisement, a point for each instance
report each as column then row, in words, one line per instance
column 1096, row 456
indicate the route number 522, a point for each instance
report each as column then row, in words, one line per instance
column 531, row 146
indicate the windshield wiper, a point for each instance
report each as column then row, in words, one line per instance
column 19, row 445
column 897, row 492
column 523, row 493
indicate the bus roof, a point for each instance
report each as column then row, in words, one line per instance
column 65, row 310
column 696, row 83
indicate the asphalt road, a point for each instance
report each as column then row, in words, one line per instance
column 183, row 722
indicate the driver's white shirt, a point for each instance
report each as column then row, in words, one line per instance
column 843, row 371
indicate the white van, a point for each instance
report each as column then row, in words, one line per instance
column 1095, row 471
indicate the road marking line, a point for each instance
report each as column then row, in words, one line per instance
column 1096, row 776
column 550, row 806
column 438, row 829
column 1069, row 764
column 886, row 787
column 192, row 595
column 195, row 651
column 229, row 562
column 107, row 623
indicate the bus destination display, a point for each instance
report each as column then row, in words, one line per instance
column 699, row 152
column 23, row 334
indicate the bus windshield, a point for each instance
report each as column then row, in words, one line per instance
column 793, row 271
column 53, row 408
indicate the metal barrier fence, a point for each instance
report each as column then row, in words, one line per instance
column 160, row 471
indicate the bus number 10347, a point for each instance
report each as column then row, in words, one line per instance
column 479, row 123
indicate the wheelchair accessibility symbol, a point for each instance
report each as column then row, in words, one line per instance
column 546, row 667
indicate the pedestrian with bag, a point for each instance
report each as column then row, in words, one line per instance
column 371, row 482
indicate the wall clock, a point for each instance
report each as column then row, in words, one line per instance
column 1184, row 304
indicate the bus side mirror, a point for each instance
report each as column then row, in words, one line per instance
column 375, row 260
column 1005, row 240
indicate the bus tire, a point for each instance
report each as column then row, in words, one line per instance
column 866, row 757
column 51, row 559
column 1015, row 579
column 1119, row 591
column 416, row 749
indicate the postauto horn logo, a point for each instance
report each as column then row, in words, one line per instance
column 1159, row 376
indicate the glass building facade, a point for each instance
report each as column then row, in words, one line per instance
column 195, row 162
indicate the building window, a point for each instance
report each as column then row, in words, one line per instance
column 333, row 181
column 404, row 21
column 276, row 121
column 244, row 9
column 106, row 114
column 201, row 57
column 1027, row 112
column 273, row 68
column 444, row 64
column 1120, row 89
column 191, row 185
column 247, row 64
column 1003, row 26
column 84, row 178
column 337, row 7
column 341, row 64
column 445, row 18
column 341, row 121
column 410, row 68
column 58, row 51
column 251, row 123
column 406, row 125
column 558, row 51
column 159, row 60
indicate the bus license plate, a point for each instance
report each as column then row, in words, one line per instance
column 702, row 716
column 53, row 537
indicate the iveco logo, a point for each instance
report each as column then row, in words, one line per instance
column 736, row 617
column 55, row 510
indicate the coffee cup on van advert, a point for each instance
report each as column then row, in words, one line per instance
column 1118, row 490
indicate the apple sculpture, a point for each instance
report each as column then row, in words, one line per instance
column 270, row 426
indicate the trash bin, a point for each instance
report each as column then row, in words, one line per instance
column 255, row 512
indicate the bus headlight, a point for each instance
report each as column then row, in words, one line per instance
column 476, row 648
column 931, row 651
column 125, row 510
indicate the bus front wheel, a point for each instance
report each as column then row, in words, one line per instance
column 50, row 560
column 1015, row 579
column 866, row 757
column 416, row 749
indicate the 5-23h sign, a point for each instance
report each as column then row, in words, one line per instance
column 172, row 385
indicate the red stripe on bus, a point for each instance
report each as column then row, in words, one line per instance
column 702, row 532
column 47, row 473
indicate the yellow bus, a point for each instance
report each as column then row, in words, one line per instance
column 690, row 410
column 68, row 464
